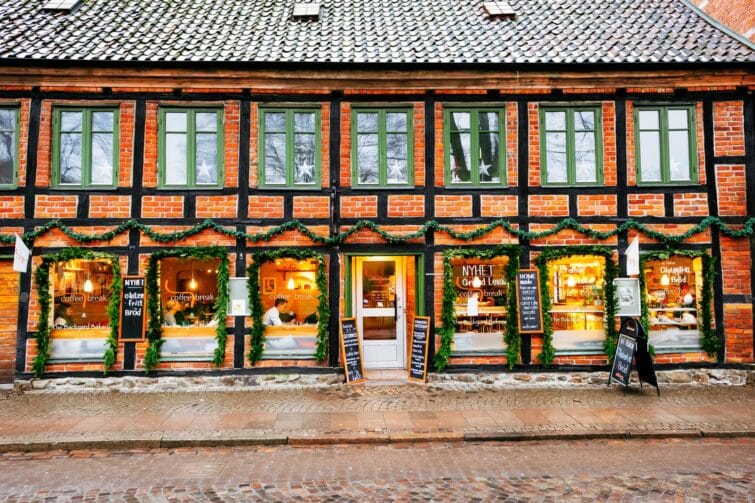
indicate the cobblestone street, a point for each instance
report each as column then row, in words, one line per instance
column 598, row 470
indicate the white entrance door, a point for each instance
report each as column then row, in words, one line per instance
column 379, row 306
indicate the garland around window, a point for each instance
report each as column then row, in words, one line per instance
column 42, row 282
column 257, row 346
column 154, row 326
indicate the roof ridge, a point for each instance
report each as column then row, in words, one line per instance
column 718, row 25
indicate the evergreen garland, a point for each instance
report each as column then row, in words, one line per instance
column 710, row 342
column 747, row 230
column 42, row 282
column 257, row 345
column 611, row 271
column 448, row 314
column 154, row 326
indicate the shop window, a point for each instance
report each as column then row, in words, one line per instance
column 570, row 145
column 8, row 147
column 480, row 306
column 673, row 288
column 188, row 292
column 290, row 148
column 85, row 147
column 191, row 148
column 577, row 288
column 382, row 147
column 290, row 300
column 665, row 138
column 80, row 321
column 475, row 147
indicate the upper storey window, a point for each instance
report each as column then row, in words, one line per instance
column 191, row 153
column 290, row 148
column 8, row 147
column 382, row 147
column 475, row 152
column 570, row 145
column 666, row 151
column 85, row 147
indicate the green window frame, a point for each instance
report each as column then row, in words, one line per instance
column 379, row 157
column 568, row 135
column 301, row 169
column 180, row 146
column 472, row 169
column 663, row 142
column 83, row 144
column 9, row 130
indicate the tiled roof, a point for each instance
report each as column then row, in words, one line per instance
column 366, row 31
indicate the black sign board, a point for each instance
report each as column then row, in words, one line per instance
column 351, row 349
column 419, row 345
column 632, row 347
column 133, row 306
column 530, row 306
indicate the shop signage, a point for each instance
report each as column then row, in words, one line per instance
column 133, row 304
column 627, row 296
column 419, row 345
column 632, row 346
column 351, row 349
column 530, row 306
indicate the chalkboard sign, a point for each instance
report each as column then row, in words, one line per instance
column 419, row 345
column 530, row 306
column 351, row 349
column 133, row 304
column 625, row 349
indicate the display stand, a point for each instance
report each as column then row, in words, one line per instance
column 632, row 348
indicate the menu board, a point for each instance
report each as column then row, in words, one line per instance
column 530, row 306
column 351, row 349
column 133, row 304
column 419, row 346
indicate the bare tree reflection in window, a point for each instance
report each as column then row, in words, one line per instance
column 460, row 139
column 7, row 145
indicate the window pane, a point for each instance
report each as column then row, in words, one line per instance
column 398, row 167
column 275, row 158
column 649, row 119
column 584, row 153
column 175, row 121
column 678, row 155
column 488, row 121
column 677, row 119
column 70, row 121
column 70, row 158
column 304, row 122
column 395, row 122
column 102, row 121
column 7, row 120
column 461, row 158
column 275, row 122
column 102, row 158
column 650, row 156
column 460, row 121
column 367, row 122
column 207, row 121
column 175, row 159
column 367, row 158
column 555, row 153
column 207, row 159
column 304, row 158
column 489, row 157
column 584, row 120
column 555, row 121
column 7, row 156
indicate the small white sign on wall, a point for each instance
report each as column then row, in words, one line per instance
column 238, row 297
column 627, row 297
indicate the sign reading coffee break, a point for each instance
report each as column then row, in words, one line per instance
column 419, row 346
column 351, row 349
column 133, row 304
column 530, row 306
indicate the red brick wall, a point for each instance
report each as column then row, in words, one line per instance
column 738, row 329
column 406, row 206
column 265, row 207
column 739, row 15
column 312, row 207
column 453, row 206
column 731, row 188
column 9, row 289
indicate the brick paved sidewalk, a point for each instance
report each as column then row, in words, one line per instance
column 365, row 414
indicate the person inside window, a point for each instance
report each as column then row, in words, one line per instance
column 63, row 315
column 172, row 316
column 272, row 316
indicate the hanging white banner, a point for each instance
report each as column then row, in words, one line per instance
column 21, row 256
column 633, row 257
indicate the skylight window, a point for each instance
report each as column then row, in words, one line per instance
column 61, row 5
column 499, row 8
column 307, row 10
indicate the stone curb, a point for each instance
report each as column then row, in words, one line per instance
column 158, row 442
